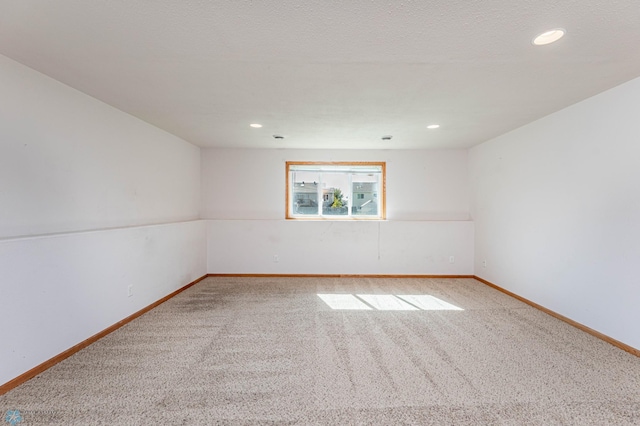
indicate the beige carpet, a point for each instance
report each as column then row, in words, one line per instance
column 271, row 351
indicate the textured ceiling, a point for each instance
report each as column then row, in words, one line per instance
column 328, row 74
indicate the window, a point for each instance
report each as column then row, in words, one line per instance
column 335, row 190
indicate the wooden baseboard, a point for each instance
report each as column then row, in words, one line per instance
column 72, row 350
column 579, row 326
column 337, row 276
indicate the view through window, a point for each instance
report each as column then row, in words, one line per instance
column 335, row 190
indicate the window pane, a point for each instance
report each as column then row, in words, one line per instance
column 365, row 194
column 335, row 194
column 339, row 190
column 305, row 193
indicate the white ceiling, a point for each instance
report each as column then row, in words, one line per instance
column 328, row 74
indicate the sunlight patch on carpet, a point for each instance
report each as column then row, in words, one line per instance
column 429, row 303
column 343, row 301
column 387, row 302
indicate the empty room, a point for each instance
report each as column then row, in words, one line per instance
column 360, row 212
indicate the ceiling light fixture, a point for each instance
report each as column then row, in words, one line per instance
column 255, row 125
column 548, row 37
column 433, row 126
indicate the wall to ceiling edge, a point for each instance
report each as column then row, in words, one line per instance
column 92, row 201
column 556, row 208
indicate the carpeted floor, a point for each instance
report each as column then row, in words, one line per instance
column 271, row 351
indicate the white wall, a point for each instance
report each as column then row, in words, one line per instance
column 250, row 183
column 67, row 287
column 83, row 191
column 556, row 206
column 69, row 162
column 427, row 210
column 340, row 247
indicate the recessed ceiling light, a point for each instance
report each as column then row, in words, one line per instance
column 255, row 125
column 433, row 126
column 548, row 37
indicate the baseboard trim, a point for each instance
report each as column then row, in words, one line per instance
column 76, row 348
column 569, row 321
column 336, row 276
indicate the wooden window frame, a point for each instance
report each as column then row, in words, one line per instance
column 382, row 197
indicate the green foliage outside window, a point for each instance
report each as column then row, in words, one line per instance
column 337, row 199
